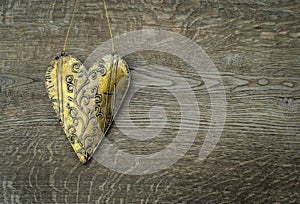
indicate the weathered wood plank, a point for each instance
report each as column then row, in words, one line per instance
column 254, row 44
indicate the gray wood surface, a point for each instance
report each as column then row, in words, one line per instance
column 255, row 45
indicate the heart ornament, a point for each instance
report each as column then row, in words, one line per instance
column 87, row 100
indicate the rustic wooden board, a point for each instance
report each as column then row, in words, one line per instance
column 254, row 44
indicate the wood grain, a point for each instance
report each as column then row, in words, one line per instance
column 254, row 44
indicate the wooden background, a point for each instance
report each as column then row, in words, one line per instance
column 255, row 45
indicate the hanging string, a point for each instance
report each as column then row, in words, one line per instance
column 109, row 27
column 70, row 26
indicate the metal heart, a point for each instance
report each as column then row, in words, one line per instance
column 87, row 100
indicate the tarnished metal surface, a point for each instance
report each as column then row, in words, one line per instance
column 86, row 99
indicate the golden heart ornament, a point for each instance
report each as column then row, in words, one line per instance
column 86, row 100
